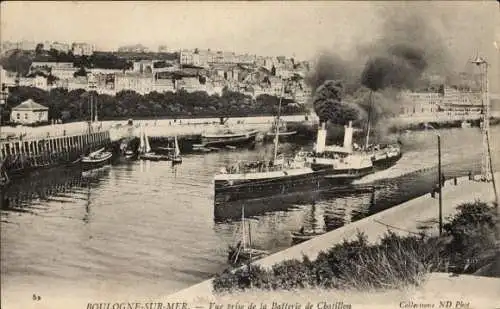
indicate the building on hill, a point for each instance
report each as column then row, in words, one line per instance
column 38, row 81
column 79, row 82
column 189, row 84
column 29, row 112
column 60, row 47
column 62, row 70
column 82, row 49
column 143, row 66
column 164, row 85
column 140, row 83
column 137, row 48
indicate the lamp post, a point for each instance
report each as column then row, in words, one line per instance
column 440, row 183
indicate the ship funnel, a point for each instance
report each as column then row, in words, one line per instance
column 321, row 139
column 348, row 136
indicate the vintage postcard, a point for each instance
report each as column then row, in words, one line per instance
column 250, row 155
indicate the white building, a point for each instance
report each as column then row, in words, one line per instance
column 82, row 49
column 420, row 102
column 164, row 85
column 140, row 83
column 79, row 82
column 143, row 66
column 61, row 47
column 61, row 70
column 190, row 84
column 29, row 112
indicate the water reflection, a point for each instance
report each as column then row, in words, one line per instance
column 60, row 185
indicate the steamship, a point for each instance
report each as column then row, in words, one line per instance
column 345, row 164
column 341, row 164
column 264, row 178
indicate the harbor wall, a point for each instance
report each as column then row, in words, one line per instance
column 158, row 127
column 197, row 126
column 24, row 155
column 410, row 217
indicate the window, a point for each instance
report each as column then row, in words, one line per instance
column 26, row 116
column 18, row 116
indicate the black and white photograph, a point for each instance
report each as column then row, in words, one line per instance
column 249, row 154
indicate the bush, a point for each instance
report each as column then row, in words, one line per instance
column 396, row 261
column 472, row 233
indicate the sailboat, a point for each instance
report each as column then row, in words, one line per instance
column 145, row 152
column 243, row 253
column 176, row 156
column 264, row 178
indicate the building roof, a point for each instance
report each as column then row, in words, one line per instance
column 30, row 105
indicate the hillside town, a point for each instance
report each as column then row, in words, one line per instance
column 191, row 70
column 195, row 70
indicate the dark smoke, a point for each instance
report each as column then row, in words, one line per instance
column 406, row 52
column 400, row 68
column 332, row 67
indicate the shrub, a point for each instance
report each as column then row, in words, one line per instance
column 472, row 233
column 394, row 262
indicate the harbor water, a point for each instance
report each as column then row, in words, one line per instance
column 149, row 226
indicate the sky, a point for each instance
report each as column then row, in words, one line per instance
column 294, row 29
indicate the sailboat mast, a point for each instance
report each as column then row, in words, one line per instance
column 276, row 137
column 369, row 120
column 177, row 150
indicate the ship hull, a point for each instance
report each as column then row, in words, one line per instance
column 90, row 164
column 231, row 190
column 385, row 163
column 233, row 140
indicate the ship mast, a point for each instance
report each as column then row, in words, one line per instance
column 368, row 125
column 91, row 86
column 276, row 137
column 486, row 174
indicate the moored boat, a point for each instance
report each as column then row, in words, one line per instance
column 96, row 159
column 145, row 152
column 130, row 154
column 228, row 137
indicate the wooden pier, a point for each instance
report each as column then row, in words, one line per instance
column 24, row 155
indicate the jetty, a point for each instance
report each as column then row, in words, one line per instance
column 410, row 217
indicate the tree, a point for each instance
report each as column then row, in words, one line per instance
column 39, row 49
column 328, row 104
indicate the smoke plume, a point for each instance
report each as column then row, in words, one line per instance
column 406, row 52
